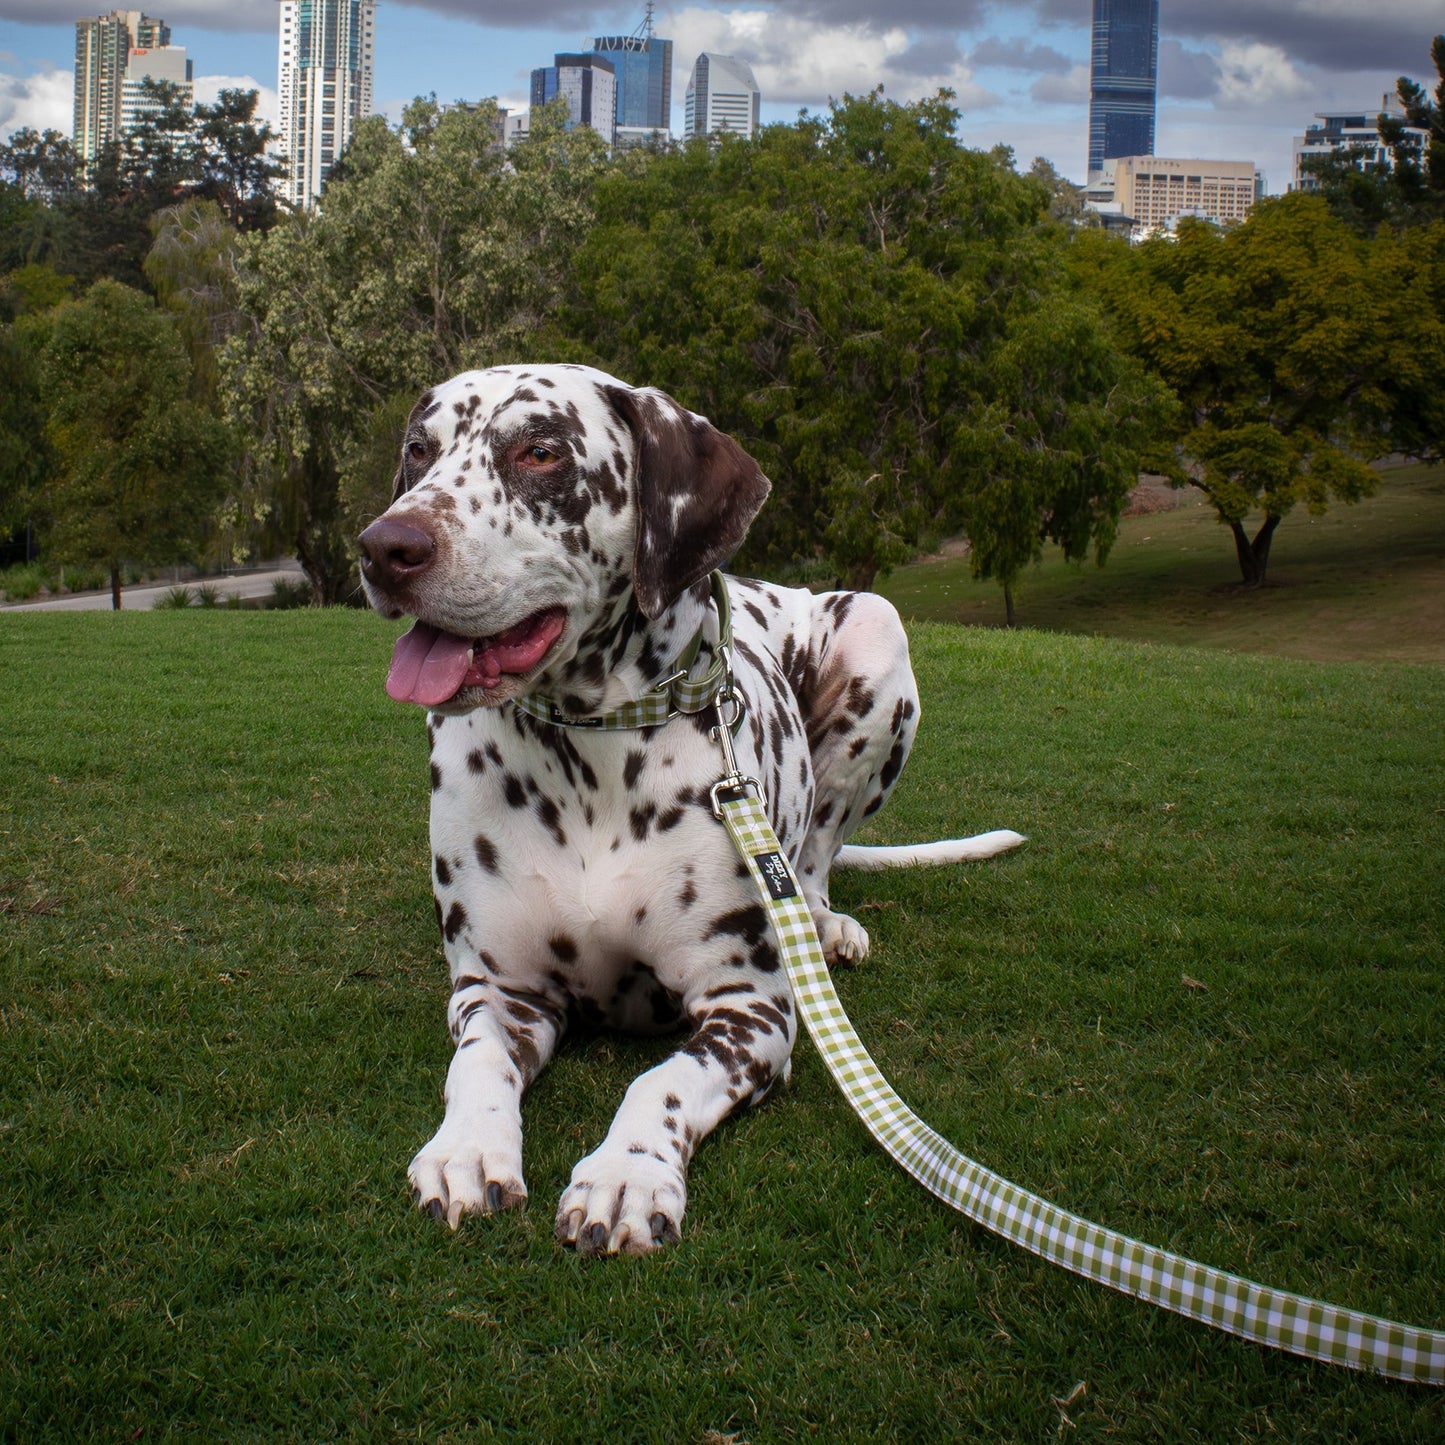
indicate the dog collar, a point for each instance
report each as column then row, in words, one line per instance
column 676, row 693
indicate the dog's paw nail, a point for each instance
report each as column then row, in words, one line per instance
column 593, row 1239
column 435, row 1209
column 494, row 1197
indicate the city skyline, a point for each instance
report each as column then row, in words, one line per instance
column 1235, row 80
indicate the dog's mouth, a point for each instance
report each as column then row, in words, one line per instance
column 429, row 666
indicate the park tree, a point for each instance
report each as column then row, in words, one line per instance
column 1407, row 274
column 24, row 452
column 155, row 159
column 1421, row 178
column 192, row 268
column 232, row 167
column 866, row 303
column 435, row 250
column 1287, row 343
column 1066, row 197
column 1057, row 446
column 136, row 463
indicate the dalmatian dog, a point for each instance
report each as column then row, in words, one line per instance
column 553, row 532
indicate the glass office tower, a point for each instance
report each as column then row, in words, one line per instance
column 1122, row 77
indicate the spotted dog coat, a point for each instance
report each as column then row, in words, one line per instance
column 553, row 531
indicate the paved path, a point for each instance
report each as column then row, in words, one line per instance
column 142, row 598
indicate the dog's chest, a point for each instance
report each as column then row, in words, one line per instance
column 546, row 833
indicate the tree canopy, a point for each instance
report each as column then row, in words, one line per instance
column 137, row 463
column 865, row 302
column 1295, row 347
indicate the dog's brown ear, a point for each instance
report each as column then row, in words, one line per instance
column 697, row 493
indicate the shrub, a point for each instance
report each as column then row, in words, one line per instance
column 81, row 579
column 22, row 581
column 286, row 594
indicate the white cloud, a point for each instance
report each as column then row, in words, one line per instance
column 45, row 101
column 1253, row 74
column 802, row 61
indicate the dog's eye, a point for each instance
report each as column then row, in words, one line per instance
column 541, row 455
column 416, row 451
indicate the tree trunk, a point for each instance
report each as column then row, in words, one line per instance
column 323, row 559
column 1253, row 553
column 861, row 578
column 1008, row 606
column 115, row 586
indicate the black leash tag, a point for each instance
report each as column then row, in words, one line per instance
column 776, row 874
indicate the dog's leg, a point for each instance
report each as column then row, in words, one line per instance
column 861, row 714
column 629, row 1195
column 473, row 1164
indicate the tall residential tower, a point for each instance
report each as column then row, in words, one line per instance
column 1122, row 73
column 324, row 82
column 103, row 46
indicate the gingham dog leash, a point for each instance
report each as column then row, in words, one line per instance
column 1228, row 1302
column 1239, row 1306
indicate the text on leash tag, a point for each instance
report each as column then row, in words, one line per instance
column 776, row 875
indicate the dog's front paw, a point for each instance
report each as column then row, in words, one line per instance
column 844, row 939
column 453, row 1175
column 622, row 1203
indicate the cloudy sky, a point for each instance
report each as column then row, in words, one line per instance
column 1237, row 78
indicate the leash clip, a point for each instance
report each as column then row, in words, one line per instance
column 733, row 780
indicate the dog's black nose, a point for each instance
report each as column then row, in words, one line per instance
column 394, row 552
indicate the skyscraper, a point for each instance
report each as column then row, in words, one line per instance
column 587, row 83
column 102, row 53
column 722, row 95
column 1122, row 71
column 643, row 64
column 324, row 85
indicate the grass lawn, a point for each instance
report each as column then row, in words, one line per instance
column 1360, row 584
column 1205, row 1005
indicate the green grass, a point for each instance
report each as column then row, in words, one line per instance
column 221, row 1039
column 1363, row 583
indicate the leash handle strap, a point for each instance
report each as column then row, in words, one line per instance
column 1238, row 1306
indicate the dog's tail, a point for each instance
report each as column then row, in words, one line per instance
column 950, row 850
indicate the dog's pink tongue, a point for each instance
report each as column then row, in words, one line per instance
column 427, row 665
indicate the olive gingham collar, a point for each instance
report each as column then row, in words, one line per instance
column 676, row 693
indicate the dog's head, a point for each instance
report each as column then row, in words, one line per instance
column 531, row 502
